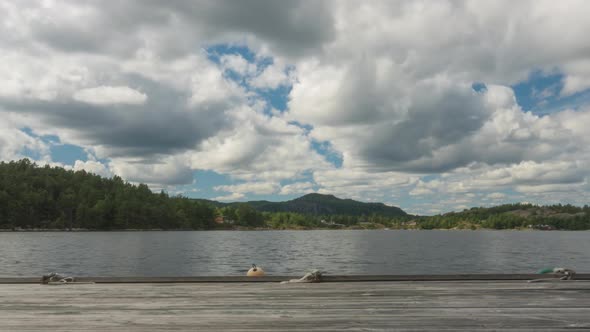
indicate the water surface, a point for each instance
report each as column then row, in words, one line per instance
column 290, row 252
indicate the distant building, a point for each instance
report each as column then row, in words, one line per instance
column 410, row 223
column 222, row 220
column 542, row 227
column 330, row 223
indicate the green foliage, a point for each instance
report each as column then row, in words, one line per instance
column 512, row 216
column 52, row 197
column 33, row 197
column 318, row 205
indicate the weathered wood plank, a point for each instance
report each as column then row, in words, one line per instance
column 448, row 305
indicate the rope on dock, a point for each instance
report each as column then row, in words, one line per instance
column 560, row 274
column 313, row 276
column 56, row 277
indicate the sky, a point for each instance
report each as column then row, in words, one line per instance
column 432, row 106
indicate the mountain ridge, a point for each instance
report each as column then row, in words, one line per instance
column 319, row 204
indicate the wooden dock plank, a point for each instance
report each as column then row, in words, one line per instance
column 466, row 305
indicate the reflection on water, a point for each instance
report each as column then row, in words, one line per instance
column 290, row 252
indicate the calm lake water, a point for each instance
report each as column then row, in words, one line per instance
column 290, row 252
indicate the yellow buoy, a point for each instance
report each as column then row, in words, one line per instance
column 255, row 271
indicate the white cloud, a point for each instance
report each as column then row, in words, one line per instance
column 92, row 166
column 362, row 185
column 555, row 188
column 164, row 171
column 25, row 76
column 14, row 143
column 386, row 84
column 258, row 147
column 229, row 198
column 258, row 188
column 575, row 83
column 105, row 95
column 238, row 64
column 421, row 191
column 425, row 188
column 297, row 188
column 273, row 77
column 209, row 86
column 461, row 207
column 388, row 104
column 496, row 196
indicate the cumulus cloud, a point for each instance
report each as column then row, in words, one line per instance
column 119, row 122
column 104, row 95
column 165, row 171
column 401, row 103
column 395, row 130
column 173, row 29
column 361, row 184
column 238, row 64
column 297, row 188
column 16, row 144
column 272, row 77
column 92, row 166
column 258, row 188
column 387, row 84
column 425, row 187
column 229, row 198
column 496, row 196
column 577, row 78
column 258, row 147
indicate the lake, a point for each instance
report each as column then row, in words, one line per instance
column 206, row 253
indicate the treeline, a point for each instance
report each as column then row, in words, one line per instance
column 512, row 216
column 33, row 197
column 247, row 216
column 287, row 220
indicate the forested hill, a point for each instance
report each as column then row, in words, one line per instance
column 511, row 216
column 33, row 197
column 318, row 204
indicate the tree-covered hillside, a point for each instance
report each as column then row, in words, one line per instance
column 510, row 216
column 322, row 205
column 33, row 197
column 52, row 197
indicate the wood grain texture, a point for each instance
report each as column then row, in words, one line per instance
column 334, row 306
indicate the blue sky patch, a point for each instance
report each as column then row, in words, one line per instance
column 215, row 52
column 206, row 180
column 327, row 150
column 67, row 153
column 479, row 87
column 541, row 94
column 277, row 98
column 540, row 91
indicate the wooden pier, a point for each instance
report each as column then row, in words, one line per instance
column 237, row 304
